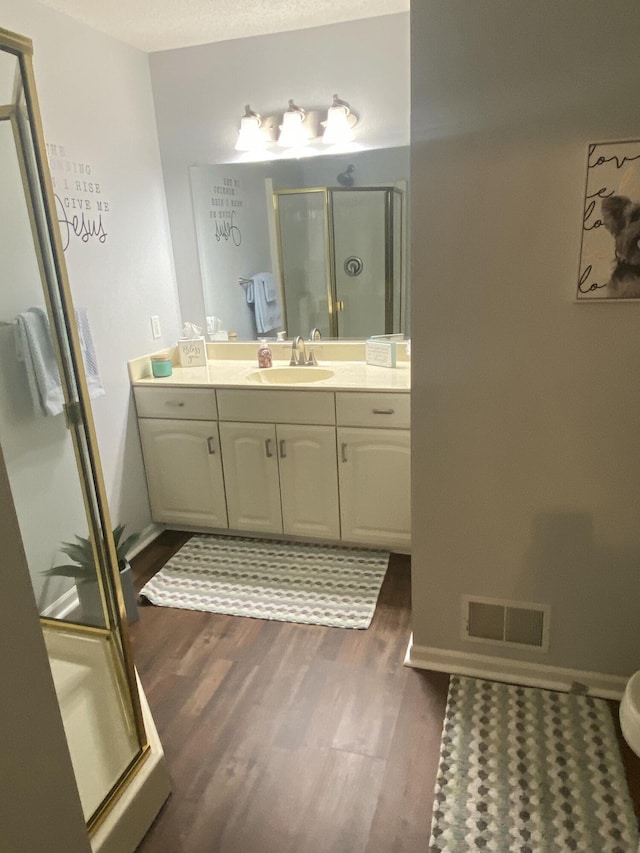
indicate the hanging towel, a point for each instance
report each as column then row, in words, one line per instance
column 88, row 354
column 270, row 289
column 264, row 295
column 34, row 347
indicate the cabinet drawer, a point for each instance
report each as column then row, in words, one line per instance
column 289, row 407
column 185, row 403
column 373, row 410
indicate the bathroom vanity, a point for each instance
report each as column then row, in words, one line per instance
column 317, row 453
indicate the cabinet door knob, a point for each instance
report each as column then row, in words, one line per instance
column 267, row 448
column 344, row 452
column 178, row 403
column 211, row 445
column 383, row 411
column 283, row 449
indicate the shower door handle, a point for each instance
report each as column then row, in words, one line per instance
column 339, row 305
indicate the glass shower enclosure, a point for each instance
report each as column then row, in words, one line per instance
column 48, row 441
column 340, row 258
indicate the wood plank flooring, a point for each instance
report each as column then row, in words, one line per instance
column 288, row 738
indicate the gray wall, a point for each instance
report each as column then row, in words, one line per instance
column 526, row 405
column 200, row 93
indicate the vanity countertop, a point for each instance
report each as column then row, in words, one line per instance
column 240, row 373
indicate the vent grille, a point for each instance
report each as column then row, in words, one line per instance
column 511, row 623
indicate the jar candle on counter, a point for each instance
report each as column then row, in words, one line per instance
column 161, row 365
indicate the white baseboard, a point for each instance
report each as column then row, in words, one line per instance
column 62, row 606
column 514, row 672
column 150, row 532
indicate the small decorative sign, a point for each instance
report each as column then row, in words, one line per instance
column 380, row 353
column 193, row 352
column 610, row 252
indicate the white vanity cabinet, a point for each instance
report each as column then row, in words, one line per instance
column 280, row 477
column 328, row 465
column 251, row 476
column 181, row 448
column 374, row 452
column 309, row 480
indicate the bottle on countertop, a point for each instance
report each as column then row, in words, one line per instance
column 265, row 358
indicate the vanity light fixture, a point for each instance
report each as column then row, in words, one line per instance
column 253, row 133
column 293, row 132
column 338, row 128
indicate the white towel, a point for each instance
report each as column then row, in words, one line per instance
column 88, row 354
column 264, row 296
column 34, row 347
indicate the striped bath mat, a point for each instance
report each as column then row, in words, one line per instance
column 285, row 581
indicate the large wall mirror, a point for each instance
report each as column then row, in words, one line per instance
column 318, row 242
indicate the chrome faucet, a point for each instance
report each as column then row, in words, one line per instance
column 298, row 352
column 314, row 335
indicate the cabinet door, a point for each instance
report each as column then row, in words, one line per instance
column 250, row 460
column 309, row 480
column 375, row 486
column 184, row 471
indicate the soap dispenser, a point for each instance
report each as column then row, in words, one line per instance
column 265, row 358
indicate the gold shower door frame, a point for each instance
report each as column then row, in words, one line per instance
column 39, row 197
column 334, row 305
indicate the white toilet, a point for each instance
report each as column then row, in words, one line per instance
column 630, row 713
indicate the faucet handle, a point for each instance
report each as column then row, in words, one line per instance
column 312, row 360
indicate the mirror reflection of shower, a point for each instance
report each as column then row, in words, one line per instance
column 251, row 202
column 341, row 259
column 346, row 179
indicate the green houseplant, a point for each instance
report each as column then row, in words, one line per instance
column 84, row 571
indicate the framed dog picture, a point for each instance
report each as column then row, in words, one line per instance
column 610, row 252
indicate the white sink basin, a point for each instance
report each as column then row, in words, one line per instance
column 289, row 375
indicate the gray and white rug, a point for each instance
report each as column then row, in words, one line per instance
column 529, row 771
column 285, row 581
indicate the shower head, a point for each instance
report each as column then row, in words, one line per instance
column 345, row 178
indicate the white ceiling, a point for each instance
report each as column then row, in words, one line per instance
column 152, row 25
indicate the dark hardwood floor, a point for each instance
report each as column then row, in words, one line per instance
column 291, row 738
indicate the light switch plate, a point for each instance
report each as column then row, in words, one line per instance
column 155, row 327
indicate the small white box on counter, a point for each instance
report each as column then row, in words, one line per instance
column 381, row 350
column 193, row 352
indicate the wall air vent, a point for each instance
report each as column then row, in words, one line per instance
column 510, row 623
